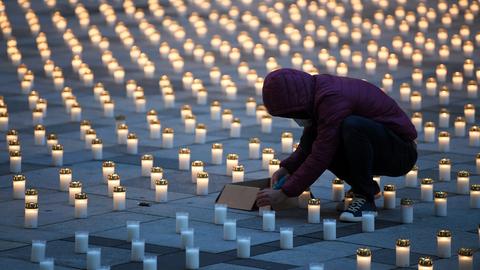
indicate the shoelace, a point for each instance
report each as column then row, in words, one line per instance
column 356, row 204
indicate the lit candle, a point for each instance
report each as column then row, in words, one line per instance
column 215, row 109
column 227, row 118
column 411, row 178
column 444, row 118
column 181, row 221
column 167, row 138
column 469, row 111
column 254, row 148
column 97, row 149
column 57, row 155
column 444, row 96
column 133, row 230
column 93, row 258
column 287, row 142
column 444, row 168
column 407, row 210
column 14, row 145
column 267, row 155
column 474, row 136
column 217, row 153
column 154, row 128
column 463, row 182
column 329, row 229
column 119, row 198
column 232, row 160
column 389, row 196
column 122, row 134
column 19, row 186
column 81, row 203
column 441, row 204
column 260, row 112
column 268, row 221
column 138, row 250
column 429, row 132
column 190, row 122
column 39, row 134
column 200, row 133
column 37, row 116
column 472, row 89
column 202, row 183
column 235, row 128
column 314, row 211
column 197, row 166
column 147, row 164
column 243, row 247
column 15, row 161
column 132, row 144
column 113, row 181
column 368, row 222
column 84, row 126
column 230, row 230
column 475, row 196
column 426, row 190
column 402, row 253
column 31, row 216
column 266, row 124
column 169, row 99
column 250, row 106
column 238, row 173
column 417, row 121
column 431, row 86
column 465, row 259
column 444, row 141
column 81, row 242
column 183, row 159
column 31, row 195
column 12, row 134
column 477, row 162
column 286, row 238
column 192, row 260
column 460, row 126
column 220, row 213
column 187, row 238
column 38, row 251
column 425, row 263
column 108, row 167
column 90, row 135
column 444, row 244
column 73, row 188
column 364, row 258
column 416, row 100
column 273, row 166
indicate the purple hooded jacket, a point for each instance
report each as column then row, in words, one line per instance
column 326, row 100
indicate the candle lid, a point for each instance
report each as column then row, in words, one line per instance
column 119, row 189
column 268, row 151
column 459, row 119
column 85, row 123
column 417, row 115
column 427, row 181
column 57, row 147
column 314, row 201
column 12, row 132
column 90, row 132
column 75, row 184
column 108, row 164
column 184, row 151
column 266, row 116
column 132, row 136
column 215, row 103
column 147, row 157
column 19, row 177
column 443, row 134
column 429, row 124
column 469, row 107
column 403, row 242
column 474, row 129
column 31, row 191
column 478, row 156
column 122, row 126
column 65, row 171
column 274, row 162
column 97, row 141
column 186, row 107
column 232, row 156
column 463, row 174
column 389, row 188
column 444, row 233
column 81, row 196
column 425, row 261
column 287, row 135
column 152, row 112
column 445, row 161
column 364, row 252
column 156, row 170
column 15, row 153
column 154, row 122
column 202, row 175
column 52, row 136
column 168, row 130
column 465, row 252
column 113, row 176
column 161, row 182
column 254, row 140
column 337, row 181
column 201, row 126
column 443, row 111
column 475, row 187
column 441, row 194
column 13, row 142
column 406, row 201
column 227, row 111
column 39, row 127
column 238, row 168
column 236, row 121
column 31, row 205
column 251, row 99
column 36, row 110
column 217, row 146
column 190, row 117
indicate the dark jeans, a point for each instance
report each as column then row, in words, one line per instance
column 369, row 148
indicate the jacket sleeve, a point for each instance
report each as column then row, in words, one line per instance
column 303, row 150
column 323, row 148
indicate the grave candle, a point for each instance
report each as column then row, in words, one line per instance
column 217, row 153
column 474, row 136
column 444, row 141
column 186, row 237
column 38, row 250
column 15, row 161
column 84, row 126
column 368, row 222
column 254, row 148
column 122, row 134
column 147, row 164
column 181, row 220
column 472, row 89
column 39, row 134
column 465, row 259
column 108, row 108
column 407, row 210
column 460, row 126
column 286, row 238
column 444, row 96
column 197, row 166
column 389, row 196
column 200, row 133
column 425, row 263
column 138, row 250
column 108, row 167
column 215, row 109
column 169, row 99
column 132, row 144
column 183, row 159
column 133, row 230
column 57, row 155
column 14, row 145
column 338, row 190
column 444, row 118
column 192, row 260
column 75, row 113
column 243, row 247
column 161, row 190
column 202, row 95
column 232, row 160
column 475, row 196
column 238, row 173
column 150, row 263
column 227, row 118
column 89, row 136
column 202, row 183
column 441, row 204
column 97, row 149
column 113, row 181
column 220, row 213
column 154, row 129
column 230, row 230
column 81, row 242
column 167, row 138
column 444, row 168
column 267, row 155
column 411, row 178
column 417, row 121
column 81, row 204
column 12, row 135
column 3, row 121
column 259, row 113
column 18, row 184
column 190, row 122
column 477, row 162
column 405, row 91
column 402, row 253
column 250, row 106
column 463, row 182
column 364, row 257
column 93, row 258
column 266, row 124
column 444, row 244
column 268, row 221
column 329, row 229
column 51, row 140
column 119, row 198
column 426, row 190
column 429, row 132
column 37, row 116
column 387, row 82
column 235, row 128
column 431, row 86
column 31, row 195
column 31, row 216
column 469, row 111
column 287, row 142
column 457, row 81
column 314, row 211
column 273, row 166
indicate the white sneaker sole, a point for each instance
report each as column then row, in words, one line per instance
column 348, row 217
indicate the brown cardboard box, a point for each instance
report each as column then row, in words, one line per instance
column 243, row 195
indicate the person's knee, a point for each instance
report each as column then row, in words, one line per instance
column 352, row 124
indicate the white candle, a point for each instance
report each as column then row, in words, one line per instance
column 57, row 155
column 460, row 126
column 472, row 89
column 97, row 149
column 243, row 247
column 90, row 135
column 84, row 126
column 286, row 238
column 287, row 142
column 47, row 264
column 119, row 198
column 147, row 164
column 235, row 128
column 190, row 122
column 122, row 134
column 74, row 188
column 444, row 96
column 474, row 136
column 232, row 160
column 329, row 229
column 184, row 159
column 440, row 204
column 155, row 129
column 429, row 132
column 75, row 113
column 444, row 118
column 254, row 148
column 192, row 258
column 15, row 161
column 465, row 259
column 138, row 250
column 93, row 258
column 250, row 106
column 202, row 183
column 444, row 244
column 405, row 91
column 187, row 239
column 181, row 221
column 389, row 196
column 402, row 253
column 411, row 178
column 81, row 242
column 108, row 168
column 416, row 101
column 238, row 173
column 444, row 168
column 469, row 111
column 463, row 182
column 31, row 195
column 200, row 133
column 220, row 213
column 426, row 189
column 273, row 166
column 38, row 251
column 268, row 221
column 150, row 263
column 230, row 230
column 217, row 153
column 266, row 124
column 18, row 184
column 407, row 210
column 368, row 222
column 133, row 230
column 132, row 144
column 425, row 263
column 227, row 118
column 444, row 142
column 167, row 138
column 417, row 121
column 81, row 205
column 215, row 109
column 364, row 259
column 267, row 155
column 161, row 190
column 156, row 173
column 475, row 196
column 197, row 166
column 314, row 211
column 31, row 216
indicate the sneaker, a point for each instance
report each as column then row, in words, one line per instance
column 342, row 206
column 355, row 209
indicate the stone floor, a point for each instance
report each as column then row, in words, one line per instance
column 107, row 228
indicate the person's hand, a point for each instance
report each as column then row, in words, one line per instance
column 277, row 175
column 270, row 196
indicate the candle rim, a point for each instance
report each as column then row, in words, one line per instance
column 364, row 252
column 441, row 194
column 425, row 261
column 403, row 242
column 444, row 233
column 465, row 252
column 31, row 205
column 81, row 196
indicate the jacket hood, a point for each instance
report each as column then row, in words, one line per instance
column 289, row 93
